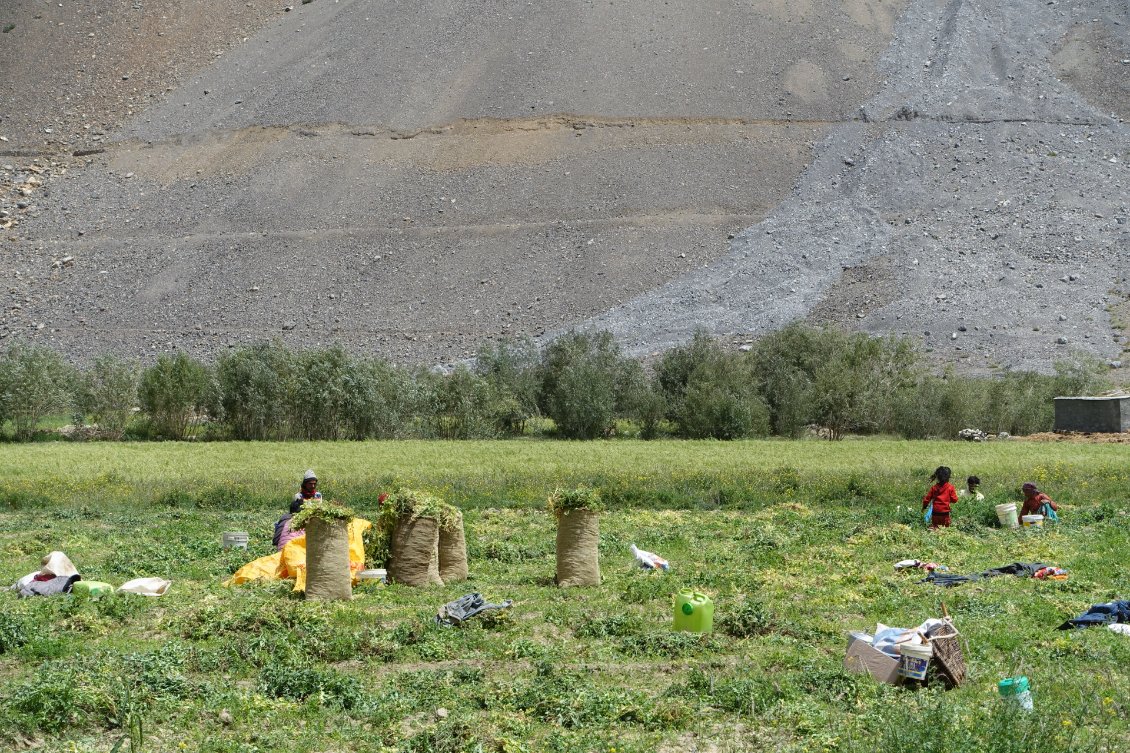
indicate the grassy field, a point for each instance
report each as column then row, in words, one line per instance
column 794, row 541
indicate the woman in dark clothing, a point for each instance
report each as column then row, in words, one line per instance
column 309, row 491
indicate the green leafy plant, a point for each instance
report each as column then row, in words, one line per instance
column 321, row 509
column 581, row 498
column 403, row 502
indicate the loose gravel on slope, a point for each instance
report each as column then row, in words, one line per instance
column 982, row 207
column 410, row 184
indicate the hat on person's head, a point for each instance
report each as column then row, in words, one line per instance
column 309, row 475
column 1028, row 487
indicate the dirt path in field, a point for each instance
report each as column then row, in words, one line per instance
column 1078, row 437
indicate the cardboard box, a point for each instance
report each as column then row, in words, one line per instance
column 863, row 659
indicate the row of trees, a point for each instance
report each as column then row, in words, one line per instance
column 790, row 381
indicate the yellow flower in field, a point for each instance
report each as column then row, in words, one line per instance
column 1107, row 701
column 1066, row 722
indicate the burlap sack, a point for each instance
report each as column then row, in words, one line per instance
column 578, row 560
column 452, row 550
column 327, row 560
column 414, row 553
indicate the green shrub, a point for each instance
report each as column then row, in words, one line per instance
column 300, row 681
column 108, row 394
column 585, row 381
column 745, row 619
column 13, row 633
column 510, row 367
column 35, row 382
column 382, row 401
column 320, row 406
column 256, row 382
column 176, row 393
column 464, row 402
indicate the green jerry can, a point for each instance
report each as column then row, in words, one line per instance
column 694, row 612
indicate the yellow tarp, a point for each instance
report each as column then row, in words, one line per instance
column 291, row 561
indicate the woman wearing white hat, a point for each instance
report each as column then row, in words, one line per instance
column 307, row 492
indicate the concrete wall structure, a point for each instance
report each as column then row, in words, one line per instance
column 1093, row 414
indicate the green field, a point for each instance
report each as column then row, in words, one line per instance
column 794, row 541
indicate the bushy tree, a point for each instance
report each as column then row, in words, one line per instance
column 255, row 382
column 785, row 363
column 176, row 393
column 722, row 401
column 108, row 394
column 853, row 387
column 381, row 399
column 35, row 382
column 510, row 367
column 320, row 393
column 673, row 372
column 844, row 382
column 711, row 393
column 585, row 380
column 464, row 406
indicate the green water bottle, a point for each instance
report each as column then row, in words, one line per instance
column 1015, row 690
column 694, row 612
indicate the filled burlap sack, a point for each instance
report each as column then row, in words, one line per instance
column 578, row 560
column 327, row 560
column 452, row 549
column 414, row 552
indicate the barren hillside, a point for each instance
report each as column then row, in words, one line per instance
column 412, row 179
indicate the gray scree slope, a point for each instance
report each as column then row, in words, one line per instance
column 981, row 205
column 409, row 180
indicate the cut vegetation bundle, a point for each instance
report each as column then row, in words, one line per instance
column 578, row 536
column 425, row 541
column 328, row 577
column 452, row 546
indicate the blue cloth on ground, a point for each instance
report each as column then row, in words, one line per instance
column 1100, row 614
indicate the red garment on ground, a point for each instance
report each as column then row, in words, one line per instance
column 1032, row 505
column 942, row 495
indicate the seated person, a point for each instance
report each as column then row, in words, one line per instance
column 971, row 494
column 283, row 533
column 1035, row 502
column 308, row 491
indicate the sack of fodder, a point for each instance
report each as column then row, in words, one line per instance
column 578, row 536
column 328, row 577
column 414, row 521
column 452, row 546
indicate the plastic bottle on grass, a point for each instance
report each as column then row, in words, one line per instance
column 1015, row 690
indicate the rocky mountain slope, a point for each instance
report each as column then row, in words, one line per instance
column 410, row 181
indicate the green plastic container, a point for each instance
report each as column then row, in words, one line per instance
column 91, row 588
column 1015, row 690
column 694, row 612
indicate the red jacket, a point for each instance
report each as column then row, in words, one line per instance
column 942, row 495
column 1032, row 505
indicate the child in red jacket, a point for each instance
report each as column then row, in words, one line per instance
column 941, row 495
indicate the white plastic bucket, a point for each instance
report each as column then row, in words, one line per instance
column 1006, row 514
column 915, row 658
column 235, row 540
column 378, row 574
column 1033, row 521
